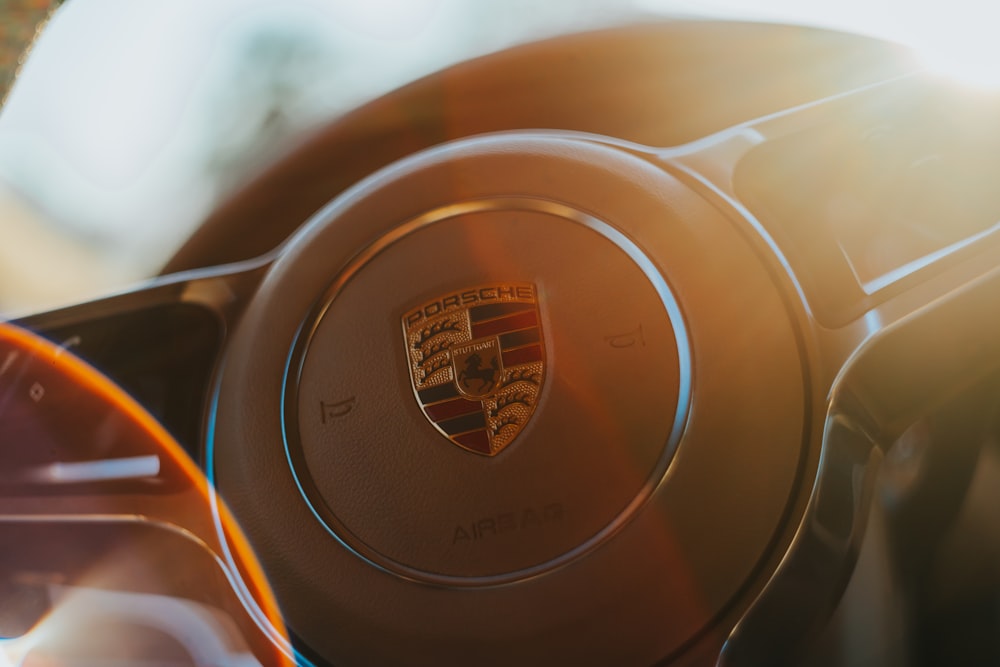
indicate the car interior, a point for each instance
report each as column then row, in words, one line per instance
column 671, row 342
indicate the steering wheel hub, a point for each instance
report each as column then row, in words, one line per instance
column 574, row 374
column 520, row 386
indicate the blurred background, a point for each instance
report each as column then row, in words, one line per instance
column 132, row 119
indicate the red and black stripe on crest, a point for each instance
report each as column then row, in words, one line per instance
column 464, row 420
column 516, row 326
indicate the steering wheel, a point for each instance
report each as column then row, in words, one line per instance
column 594, row 355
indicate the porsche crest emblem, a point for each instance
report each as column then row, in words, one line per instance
column 477, row 363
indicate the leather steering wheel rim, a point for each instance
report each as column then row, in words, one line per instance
column 656, row 84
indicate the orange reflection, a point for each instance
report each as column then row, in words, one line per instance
column 114, row 528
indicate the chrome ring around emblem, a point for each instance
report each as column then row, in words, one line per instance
column 296, row 361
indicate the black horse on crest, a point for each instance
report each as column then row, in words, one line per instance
column 474, row 370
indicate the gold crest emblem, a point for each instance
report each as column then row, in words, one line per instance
column 477, row 363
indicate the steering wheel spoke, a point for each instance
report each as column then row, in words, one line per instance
column 115, row 530
column 159, row 341
column 876, row 205
column 875, row 200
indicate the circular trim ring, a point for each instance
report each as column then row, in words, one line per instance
column 296, row 359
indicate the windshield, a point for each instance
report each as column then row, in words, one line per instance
column 131, row 121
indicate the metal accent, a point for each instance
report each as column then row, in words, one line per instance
column 224, row 290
